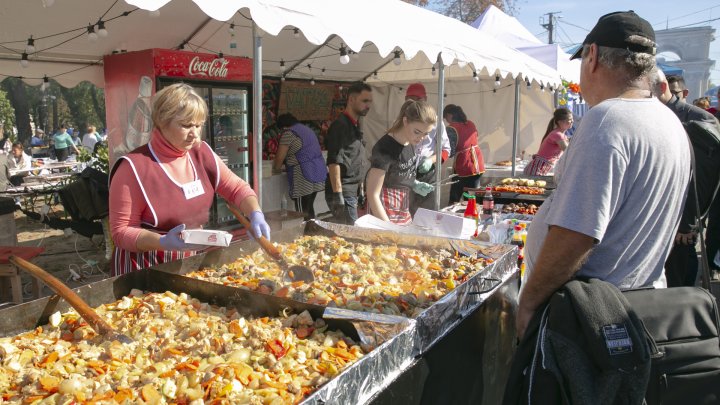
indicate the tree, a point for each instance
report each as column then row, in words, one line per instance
column 7, row 115
column 19, row 100
column 469, row 10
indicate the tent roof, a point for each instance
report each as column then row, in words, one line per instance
column 505, row 28
column 508, row 30
column 374, row 31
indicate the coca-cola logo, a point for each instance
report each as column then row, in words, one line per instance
column 213, row 68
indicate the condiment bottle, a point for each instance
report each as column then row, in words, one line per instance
column 488, row 202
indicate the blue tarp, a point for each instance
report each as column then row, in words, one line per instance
column 670, row 70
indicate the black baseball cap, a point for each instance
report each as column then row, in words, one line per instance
column 613, row 30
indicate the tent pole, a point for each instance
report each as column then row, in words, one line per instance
column 257, row 113
column 516, row 124
column 440, row 130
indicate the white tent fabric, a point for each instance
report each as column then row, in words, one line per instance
column 374, row 28
column 508, row 30
column 491, row 112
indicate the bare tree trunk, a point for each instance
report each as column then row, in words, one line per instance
column 18, row 99
column 99, row 108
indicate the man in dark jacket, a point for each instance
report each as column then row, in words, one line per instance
column 682, row 264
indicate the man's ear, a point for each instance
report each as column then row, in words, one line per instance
column 685, row 93
column 592, row 57
column 663, row 87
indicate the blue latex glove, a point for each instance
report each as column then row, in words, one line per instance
column 423, row 188
column 258, row 225
column 425, row 166
column 173, row 242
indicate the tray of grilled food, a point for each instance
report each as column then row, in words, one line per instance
column 374, row 273
column 193, row 342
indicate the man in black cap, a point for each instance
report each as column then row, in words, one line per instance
column 621, row 185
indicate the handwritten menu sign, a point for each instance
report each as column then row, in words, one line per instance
column 305, row 101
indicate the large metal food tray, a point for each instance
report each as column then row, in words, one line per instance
column 435, row 321
column 356, row 384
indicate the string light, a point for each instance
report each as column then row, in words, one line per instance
column 396, row 58
column 30, row 48
column 344, row 58
column 45, row 84
column 340, row 88
column 282, row 63
column 282, row 78
column 101, row 29
column 542, row 87
column 375, row 74
column 527, row 81
column 476, row 79
column 231, row 30
column 312, row 81
column 91, row 33
column 221, row 57
column 296, row 32
column 433, row 71
column 497, row 80
column 24, row 62
column 154, row 13
column 322, row 72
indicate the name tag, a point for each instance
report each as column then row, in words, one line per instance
column 193, row 189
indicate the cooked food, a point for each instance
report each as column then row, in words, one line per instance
column 184, row 351
column 521, row 208
column 503, row 163
column 519, row 189
column 540, row 183
column 371, row 278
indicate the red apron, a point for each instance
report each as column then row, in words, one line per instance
column 469, row 159
column 167, row 206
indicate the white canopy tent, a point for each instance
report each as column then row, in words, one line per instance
column 374, row 29
column 508, row 30
column 380, row 32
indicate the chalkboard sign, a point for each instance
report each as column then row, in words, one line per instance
column 305, row 101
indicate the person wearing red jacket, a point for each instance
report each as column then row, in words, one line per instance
column 469, row 162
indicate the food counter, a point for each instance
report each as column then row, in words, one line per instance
column 471, row 323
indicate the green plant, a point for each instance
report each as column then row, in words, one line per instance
column 101, row 162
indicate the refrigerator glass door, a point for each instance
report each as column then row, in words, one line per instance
column 229, row 121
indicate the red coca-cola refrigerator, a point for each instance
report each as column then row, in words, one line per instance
column 132, row 78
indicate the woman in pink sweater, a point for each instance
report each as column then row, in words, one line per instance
column 552, row 145
column 169, row 184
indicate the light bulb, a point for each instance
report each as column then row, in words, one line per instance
column 340, row 88
column 231, row 30
column 101, row 29
column 48, row 3
column 296, row 32
column 221, row 57
column 91, row 33
column 542, row 88
column 312, row 82
column 476, row 79
column 322, row 72
column 30, row 48
column 24, row 62
column 45, row 83
column 497, row 80
column 396, row 59
column 344, row 58
column 282, row 63
column 527, row 81
column 282, row 79
column 154, row 13
column 433, row 71
column 375, row 75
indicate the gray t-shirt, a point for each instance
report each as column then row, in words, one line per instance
column 622, row 181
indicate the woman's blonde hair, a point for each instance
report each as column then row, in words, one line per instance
column 414, row 111
column 178, row 101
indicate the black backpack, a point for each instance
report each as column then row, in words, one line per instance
column 683, row 323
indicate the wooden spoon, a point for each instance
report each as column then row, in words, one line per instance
column 82, row 308
column 290, row 273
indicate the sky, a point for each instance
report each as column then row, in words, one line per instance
column 579, row 16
